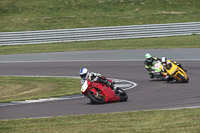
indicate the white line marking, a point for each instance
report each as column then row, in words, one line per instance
column 189, row 107
column 134, row 84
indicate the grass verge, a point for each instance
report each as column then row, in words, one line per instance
column 24, row 15
column 192, row 41
column 29, row 88
column 181, row 120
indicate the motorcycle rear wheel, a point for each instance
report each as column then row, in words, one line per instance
column 95, row 99
column 122, row 94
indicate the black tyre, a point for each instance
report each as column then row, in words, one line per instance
column 95, row 99
column 182, row 78
column 122, row 94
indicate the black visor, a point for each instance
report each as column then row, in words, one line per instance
column 149, row 59
column 164, row 63
column 83, row 75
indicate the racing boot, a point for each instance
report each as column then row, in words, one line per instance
column 106, row 82
column 151, row 75
column 111, row 85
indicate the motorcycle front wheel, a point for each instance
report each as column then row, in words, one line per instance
column 95, row 99
column 182, row 78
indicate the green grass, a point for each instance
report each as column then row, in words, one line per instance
column 192, row 41
column 166, row 121
column 26, row 15
column 28, row 88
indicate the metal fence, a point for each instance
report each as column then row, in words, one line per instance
column 99, row 33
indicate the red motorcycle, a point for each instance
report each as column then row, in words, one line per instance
column 99, row 93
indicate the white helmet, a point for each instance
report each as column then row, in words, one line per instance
column 164, row 61
column 84, row 73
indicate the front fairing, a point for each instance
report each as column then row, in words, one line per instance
column 90, row 86
column 157, row 67
column 158, row 70
column 99, row 89
column 85, row 86
column 172, row 69
column 182, row 72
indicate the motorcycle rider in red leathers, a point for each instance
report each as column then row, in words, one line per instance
column 91, row 76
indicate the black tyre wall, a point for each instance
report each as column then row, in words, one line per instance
column 182, row 78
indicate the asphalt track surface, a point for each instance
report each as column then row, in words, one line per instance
column 126, row 64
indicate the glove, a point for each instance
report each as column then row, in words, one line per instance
column 96, row 79
column 109, row 83
column 98, row 75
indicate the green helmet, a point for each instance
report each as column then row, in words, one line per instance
column 147, row 56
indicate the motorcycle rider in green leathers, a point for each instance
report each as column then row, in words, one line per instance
column 149, row 63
